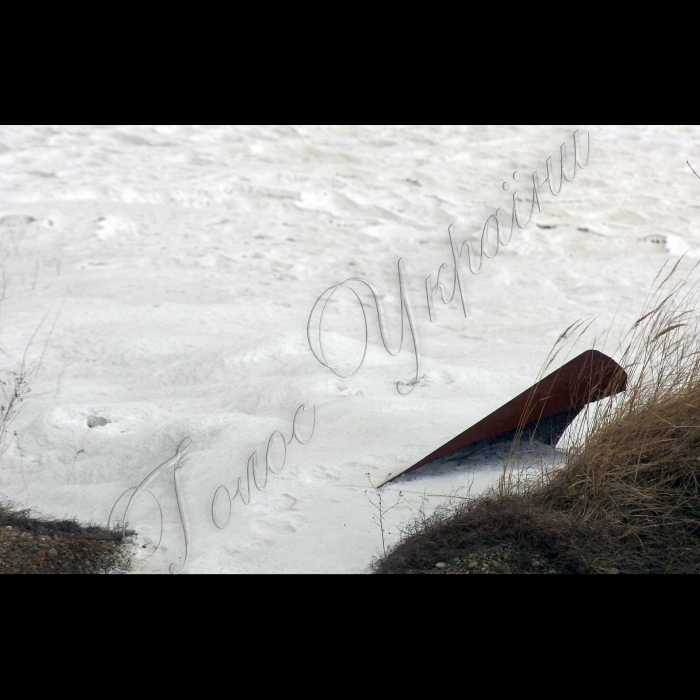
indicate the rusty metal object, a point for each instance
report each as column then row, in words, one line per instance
column 543, row 411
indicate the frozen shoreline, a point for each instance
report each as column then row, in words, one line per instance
column 185, row 262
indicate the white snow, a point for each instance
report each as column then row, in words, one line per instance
column 175, row 268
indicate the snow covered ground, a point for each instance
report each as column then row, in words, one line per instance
column 175, row 268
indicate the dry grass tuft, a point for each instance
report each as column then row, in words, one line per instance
column 628, row 496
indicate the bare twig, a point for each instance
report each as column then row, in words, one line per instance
column 382, row 510
column 48, row 337
column 80, row 450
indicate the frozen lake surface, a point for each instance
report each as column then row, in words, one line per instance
column 175, row 268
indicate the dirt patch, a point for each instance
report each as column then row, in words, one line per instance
column 32, row 545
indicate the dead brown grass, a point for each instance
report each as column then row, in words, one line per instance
column 628, row 496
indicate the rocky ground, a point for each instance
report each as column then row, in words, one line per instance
column 34, row 546
column 498, row 560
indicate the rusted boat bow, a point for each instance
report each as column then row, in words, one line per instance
column 541, row 413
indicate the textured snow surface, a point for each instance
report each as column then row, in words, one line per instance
column 176, row 267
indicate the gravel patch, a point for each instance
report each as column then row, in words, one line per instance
column 33, row 546
column 496, row 560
